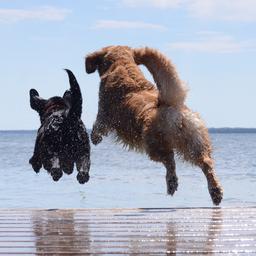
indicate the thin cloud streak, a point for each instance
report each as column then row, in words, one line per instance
column 229, row 10
column 47, row 13
column 122, row 24
column 153, row 3
column 210, row 42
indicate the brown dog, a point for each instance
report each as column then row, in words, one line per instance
column 149, row 119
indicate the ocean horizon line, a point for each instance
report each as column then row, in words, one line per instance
column 211, row 130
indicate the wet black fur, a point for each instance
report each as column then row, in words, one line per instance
column 62, row 133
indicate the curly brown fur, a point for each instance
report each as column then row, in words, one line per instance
column 150, row 119
column 172, row 90
column 62, row 140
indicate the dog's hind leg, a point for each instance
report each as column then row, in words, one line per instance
column 195, row 145
column 200, row 154
column 82, row 155
column 214, row 186
column 159, row 151
column 171, row 177
column 35, row 160
column 83, row 167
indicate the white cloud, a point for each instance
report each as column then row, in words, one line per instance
column 153, row 3
column 42, row 13
column 213, row 42
column 122, row 24
column 232, row 10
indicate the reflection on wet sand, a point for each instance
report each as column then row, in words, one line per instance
column 214, row 230
column 177, row 233
column 171, row 243
column 122, row 233
column 144, row 231
column 191, row 236
column 63, row 233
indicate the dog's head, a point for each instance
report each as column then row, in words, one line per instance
column 61, row 139
column 103, row 60
column 53, row 114
column 54, row 111
column 45, row 107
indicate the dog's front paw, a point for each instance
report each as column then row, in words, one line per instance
column 216, row 194
column 96, row 138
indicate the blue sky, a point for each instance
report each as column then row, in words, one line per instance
column 212, row 43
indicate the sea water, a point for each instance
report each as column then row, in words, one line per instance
column 121, row 178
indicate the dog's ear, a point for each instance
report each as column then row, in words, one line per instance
column 36, row 102
column 92, row 62
column 98, row 60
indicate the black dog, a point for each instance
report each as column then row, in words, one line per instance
column 62, row 140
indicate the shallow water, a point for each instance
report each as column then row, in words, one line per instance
column 125, row 179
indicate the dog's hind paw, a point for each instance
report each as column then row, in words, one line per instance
column 172, row 185
column 216, row 194
column 56, row 174
column 83, row 177
column 36, row 164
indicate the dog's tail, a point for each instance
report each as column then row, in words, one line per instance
column 172, row 90
column 75, row 95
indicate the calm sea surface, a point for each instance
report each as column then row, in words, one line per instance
column 125, row 179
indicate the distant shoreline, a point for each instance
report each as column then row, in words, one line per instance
column 232, row 130
column 211, row 130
